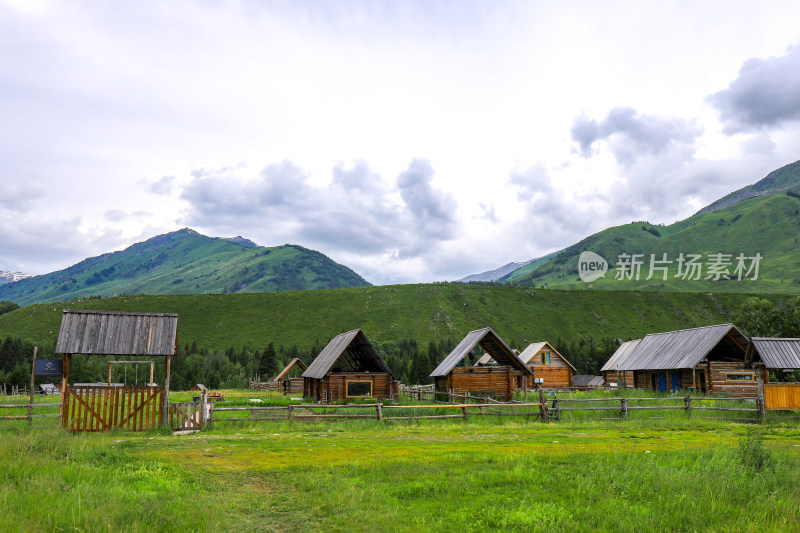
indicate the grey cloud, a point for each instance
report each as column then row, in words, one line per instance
column 356, row 213
column 162, row 186
column 530, row 181
column 765, row 94
column 40, row 246
column 631, row 135
column 18, row 195
column 118, row 215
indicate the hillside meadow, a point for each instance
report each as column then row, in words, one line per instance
column 425, row 312
column 439, row 476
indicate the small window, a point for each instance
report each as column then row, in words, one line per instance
column 546, row 358
column 738, row 377
column 359, row 389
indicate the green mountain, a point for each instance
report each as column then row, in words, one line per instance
column 781, row 180
column 388, row 314
column 186, row 262
column 765, row 227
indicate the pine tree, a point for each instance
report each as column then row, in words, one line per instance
column 269, row 363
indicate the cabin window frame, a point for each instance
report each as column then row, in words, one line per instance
column 347, row 388
column 747, row 377
column 546, row 358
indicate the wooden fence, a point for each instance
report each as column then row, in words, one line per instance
column 311, row 411
column 625, row 407
column 29, row 409
column 782, row 396
column 187, row 416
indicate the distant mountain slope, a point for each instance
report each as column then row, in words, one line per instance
column 496, row 274
column 781, row 180
column 768, row 225
column 185, row 262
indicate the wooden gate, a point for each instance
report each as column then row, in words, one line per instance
column 186, row 415
column 782, row 396
column 100, row 408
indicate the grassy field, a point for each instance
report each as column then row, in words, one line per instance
column 657, row 475
column 389, row 313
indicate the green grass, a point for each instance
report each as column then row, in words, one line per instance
column 435, row 476
column 389, row 313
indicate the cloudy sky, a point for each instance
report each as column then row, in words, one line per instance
column 412, row 141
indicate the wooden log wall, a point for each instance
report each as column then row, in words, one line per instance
column 334, row 386
column 494, row 381
column 292, row 386
column 736, row 389
column 554, row 376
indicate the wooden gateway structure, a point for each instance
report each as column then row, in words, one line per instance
column 613, row 376
column 292, row 383
column 349, row 367
column 454, row 375
column 100, row 407
column 778, row 355
column 710, row 360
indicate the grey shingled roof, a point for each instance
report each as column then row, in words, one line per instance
column 117, row 333
column 587, row 381
column 356, row 350
column 680, row 349
column 490, row 342
column 777, row 353
column 623, row 352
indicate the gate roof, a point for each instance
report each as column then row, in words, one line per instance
column 117, row 333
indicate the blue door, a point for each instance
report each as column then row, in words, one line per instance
column 662, row 382
column 674, row 381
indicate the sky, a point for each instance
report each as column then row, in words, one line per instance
column 413, row 141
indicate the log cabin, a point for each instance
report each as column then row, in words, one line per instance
column 613, row 376
column 499, row 381
column 548, row 364
column 709, row 359
column 349, row 367
column 291, row 382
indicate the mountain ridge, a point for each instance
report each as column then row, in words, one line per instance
column 187, row 262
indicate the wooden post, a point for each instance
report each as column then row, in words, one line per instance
column 33, row 379
column 165, row 400
column 543, row 406
column 557, row 408
column 289, row 411
column 624, row 408
column 152, row 367
column 65, row 358
column 380, row 411
column 688, row 401
column 203, row 407
column 464, row 411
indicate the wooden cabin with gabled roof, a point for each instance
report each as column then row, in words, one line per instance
column 499, row 380
column 292, row 383
column 349, row 367
column 548, row 364
column 707, row 359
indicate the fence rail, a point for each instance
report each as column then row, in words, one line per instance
column 29, row 409
column 625, row 408
column 307, row 411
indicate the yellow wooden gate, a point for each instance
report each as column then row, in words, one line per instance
column 100, row 408
column 782, row 396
